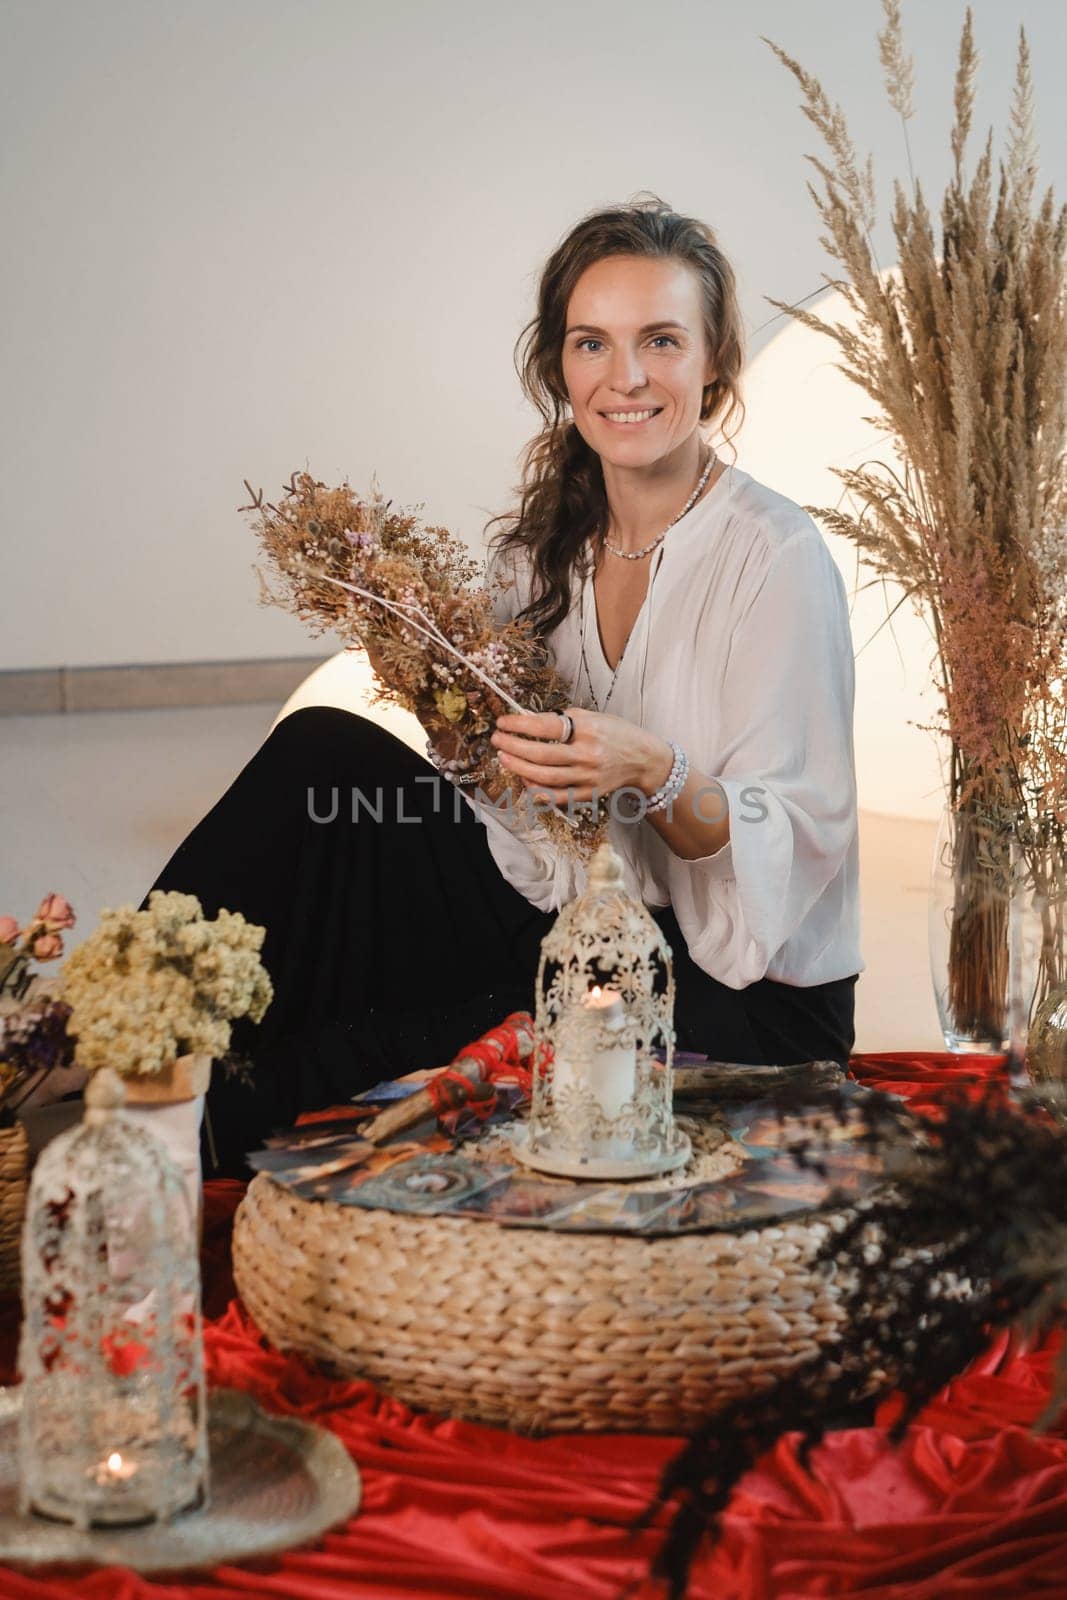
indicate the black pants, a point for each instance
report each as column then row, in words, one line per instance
column 392, row 937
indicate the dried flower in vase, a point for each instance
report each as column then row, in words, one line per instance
column 963, row 348
column 405, row 592
column 149, row 986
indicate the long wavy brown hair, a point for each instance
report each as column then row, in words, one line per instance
column 563, row 509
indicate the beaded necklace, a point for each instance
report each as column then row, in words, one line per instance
column 634, row 555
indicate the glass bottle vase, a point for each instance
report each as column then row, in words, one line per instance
column 986, row 929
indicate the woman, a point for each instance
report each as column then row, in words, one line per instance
column 702, row 626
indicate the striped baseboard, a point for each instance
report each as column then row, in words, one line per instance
column 40, row 690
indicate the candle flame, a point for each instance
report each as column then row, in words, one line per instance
column 114, row 1461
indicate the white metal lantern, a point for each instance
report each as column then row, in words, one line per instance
column 113, row 1419
column 602, row 1099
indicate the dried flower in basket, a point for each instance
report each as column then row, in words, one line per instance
column 33, row 1033
column 404, row 591
column 33, row 1042
column 150, row 986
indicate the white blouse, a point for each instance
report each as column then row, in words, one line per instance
column 741, row 653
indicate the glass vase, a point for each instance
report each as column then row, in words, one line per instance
column 987, row 931
column 1046, row 1053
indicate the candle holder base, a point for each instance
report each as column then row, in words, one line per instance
column 616, row 1165
column 276, row 1482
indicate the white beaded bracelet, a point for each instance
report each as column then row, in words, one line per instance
column 675, row 780
column 451, row 768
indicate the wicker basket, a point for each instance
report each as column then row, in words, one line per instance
column 538, row 1331
column 14, row 1164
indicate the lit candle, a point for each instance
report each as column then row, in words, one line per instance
column 608, row 1071
column 116, row 1469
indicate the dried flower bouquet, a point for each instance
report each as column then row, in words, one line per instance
column 404, row 591
column 33, row 1024
column 148, row 987
column 963, row 348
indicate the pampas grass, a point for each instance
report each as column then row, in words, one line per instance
column 963, row 350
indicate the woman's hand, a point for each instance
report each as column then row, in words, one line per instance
column 605, row 753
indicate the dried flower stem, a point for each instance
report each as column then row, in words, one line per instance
column 384, row 581
column 426, row 627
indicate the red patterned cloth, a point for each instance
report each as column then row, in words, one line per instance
column 970, row 1507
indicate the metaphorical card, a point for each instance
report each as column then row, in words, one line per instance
column 702, row 1207
column 293, row 1166
column 614, row 1210
column 385, row 1093
column 760, row 1128
column 520, row 1202
column 311, row 1139
column 337, row 1179
column 332, row 1117
column 851, row 1172
column 427, row 1183
column 790, row 1187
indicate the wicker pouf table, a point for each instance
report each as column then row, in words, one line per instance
column 536, row 1330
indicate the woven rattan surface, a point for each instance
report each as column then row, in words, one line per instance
column 531, row 1329
column 13, row 1181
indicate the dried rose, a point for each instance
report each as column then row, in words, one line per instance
column 55, row 913
column 47, row 946
column 9, row 930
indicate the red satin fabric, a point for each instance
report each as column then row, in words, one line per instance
column 970, row 1505
column 922, row 1079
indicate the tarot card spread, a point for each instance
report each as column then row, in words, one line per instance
column 425, row 1173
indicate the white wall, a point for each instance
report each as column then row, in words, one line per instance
column 242, row 236
column 805, row 418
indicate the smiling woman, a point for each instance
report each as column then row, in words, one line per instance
column 703, row 628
